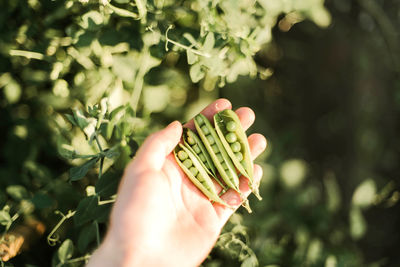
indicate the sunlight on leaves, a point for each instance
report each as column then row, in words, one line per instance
column 293, row 172
column 364, row 194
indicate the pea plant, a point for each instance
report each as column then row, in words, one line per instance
column 92, row 80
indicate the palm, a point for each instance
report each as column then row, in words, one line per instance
column 161, row 212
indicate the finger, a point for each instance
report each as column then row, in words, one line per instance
column 156, row 147
column 258, row 144
column 246, row 116
column 232, row 198
column 209, row 111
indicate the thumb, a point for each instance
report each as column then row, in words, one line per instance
column 156, row 147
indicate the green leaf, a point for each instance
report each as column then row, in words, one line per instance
column 78, row 172
column 12, row 92
column 42, row 201
column 209, row 42
column 191, row 57
column 71, row 119
column 80, row 119
column 112, row 152
column 156, row 98
column 358, row 225
column 65, row 150
column 124, row 67
column 86, row 236
column 5, row 218
column 65, row 251
column 332, row 193
column 190, row 38
column 17, row 192
column 85, row 210
column 107, row 185
column 196, row 73
column 88, row 210
column 250, row 262
column 123, row 12
column 364, row 194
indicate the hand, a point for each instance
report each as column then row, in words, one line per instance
column 160, row 218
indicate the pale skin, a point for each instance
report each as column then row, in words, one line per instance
column 160, row 218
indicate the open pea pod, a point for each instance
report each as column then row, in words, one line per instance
column 234, row 139
column 194, row 143
column 194, row 169
column 218, row 154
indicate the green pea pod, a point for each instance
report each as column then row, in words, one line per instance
column 233, row 137
column 202, row 181
column 192, row 142
column 220, row 157
column 195, row 141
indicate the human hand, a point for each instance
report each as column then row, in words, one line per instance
column 160, row 218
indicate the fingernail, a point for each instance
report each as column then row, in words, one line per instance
column 264, row 143
column 234, row 200
column 173, row 124
column 222, row 104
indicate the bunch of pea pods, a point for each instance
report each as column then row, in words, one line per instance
column 220, row 154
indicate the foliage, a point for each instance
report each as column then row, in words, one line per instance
column 84, row 82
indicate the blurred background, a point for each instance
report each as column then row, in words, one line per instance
column 324, row 84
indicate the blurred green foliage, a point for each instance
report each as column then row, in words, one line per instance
column 84, row 82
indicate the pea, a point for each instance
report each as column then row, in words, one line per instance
column 187, row 163
column 191, row 140
column 224, row 165
column 231, row 137
column 182, row 155
column 202, row 157
column 236, row 147
column 231, row 126
column 196, row 149
column 205, row 129
column 239, row 156
column 210, row 139
column 199, row 120
column 219, row 157
column 215, row 148
column 194, row 171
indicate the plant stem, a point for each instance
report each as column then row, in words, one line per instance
column 96, row 224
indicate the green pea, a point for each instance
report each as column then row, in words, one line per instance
column 224, row 165
column 205, row 129
column 196, row 149
column 231, row 126
column 239, row 156
column 191, row 140
column 219, row 157
column 202, row 157
column 194, row 171
column 236, row 147
column 210, row 139
column 215, row 148
column 199, row 120
column 187, row 163
column 182, row 155
column 231, row 137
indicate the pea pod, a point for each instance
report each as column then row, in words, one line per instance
column 218, row 154
column 194, row 169
column 234, row 139
column 193, row 142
